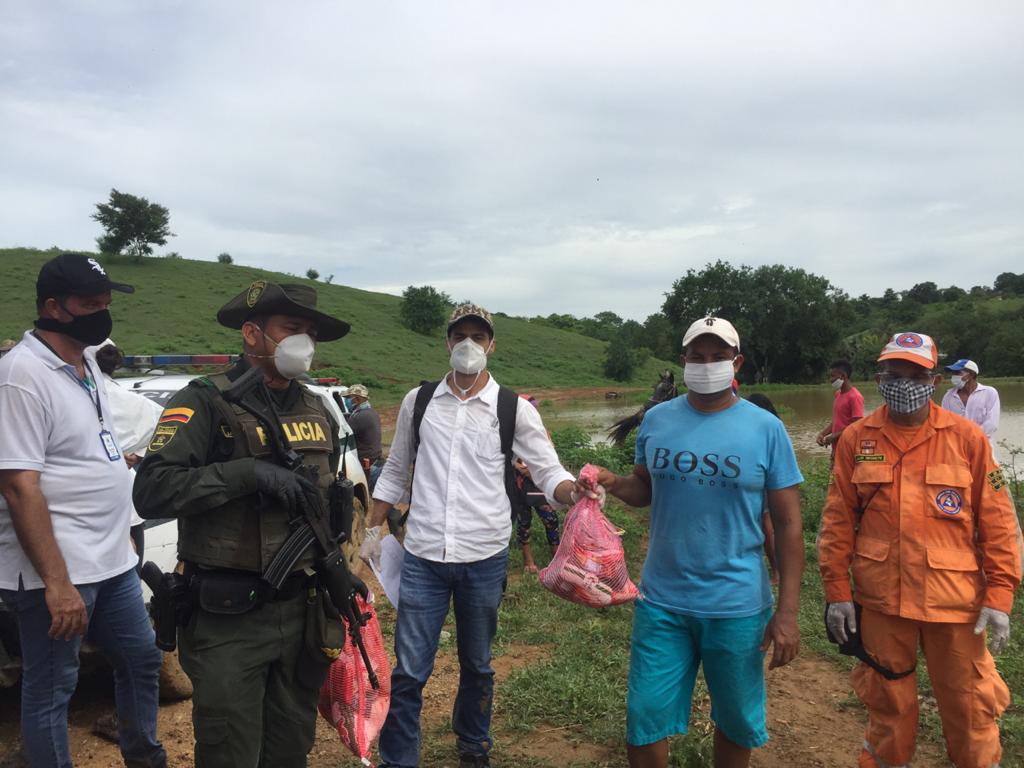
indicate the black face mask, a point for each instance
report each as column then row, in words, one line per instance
column 89, row 329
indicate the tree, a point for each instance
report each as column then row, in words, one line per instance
column 1009, row 284
column 620, row 359
column 924, row 293
column 133, row 225
column 789, row 320
column 225, row 258
column 424, row 309
column 312, row 274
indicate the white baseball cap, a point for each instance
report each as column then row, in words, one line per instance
column 715, row 326
column 918, row 348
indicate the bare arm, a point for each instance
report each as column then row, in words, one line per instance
column 783, row 631
column 30, row 516
column 634, row 489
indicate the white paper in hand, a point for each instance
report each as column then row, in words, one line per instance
column 389, row 573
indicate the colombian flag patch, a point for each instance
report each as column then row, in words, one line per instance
column 176, row 416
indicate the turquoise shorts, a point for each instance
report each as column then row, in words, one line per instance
column 668, row 647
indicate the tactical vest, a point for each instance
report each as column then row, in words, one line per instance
column 247, row 532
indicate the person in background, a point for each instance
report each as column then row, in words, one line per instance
column 532, row 500
column 67, row 566
column 704, row 463
column 847, row 406
column 973, row 400
column 920, row 515
column 365, row 424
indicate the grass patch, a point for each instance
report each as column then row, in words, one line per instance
column 174, row 308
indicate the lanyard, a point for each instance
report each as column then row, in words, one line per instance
column 93, row 391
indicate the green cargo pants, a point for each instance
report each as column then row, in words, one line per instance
column 248, row 709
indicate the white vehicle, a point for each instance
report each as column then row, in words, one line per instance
column 161, row 545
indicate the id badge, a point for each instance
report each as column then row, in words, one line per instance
column 109, row 445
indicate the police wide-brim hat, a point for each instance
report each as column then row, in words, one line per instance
column 75, row 274
column 266, row 298
column 917, row 348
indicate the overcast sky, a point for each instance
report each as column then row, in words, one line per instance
column 535, row 157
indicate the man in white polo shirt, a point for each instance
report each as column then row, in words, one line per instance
column 456, row 540
column 66, row 560
column 973, row 400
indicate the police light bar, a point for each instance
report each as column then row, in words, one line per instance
column 155, row 361
column 327, row 380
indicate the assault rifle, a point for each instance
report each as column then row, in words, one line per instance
column 312, row 527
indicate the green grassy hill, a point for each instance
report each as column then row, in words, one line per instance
column 176, row 300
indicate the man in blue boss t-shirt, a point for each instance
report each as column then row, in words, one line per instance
column 704, row 463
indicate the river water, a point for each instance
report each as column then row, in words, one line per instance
column 805, row 411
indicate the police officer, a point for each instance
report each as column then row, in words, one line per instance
column 254, row 656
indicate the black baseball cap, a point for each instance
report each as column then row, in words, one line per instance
column 75, row 274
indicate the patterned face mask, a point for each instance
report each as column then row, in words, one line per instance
column 905, row 395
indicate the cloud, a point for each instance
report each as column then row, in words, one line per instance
column 535, row 157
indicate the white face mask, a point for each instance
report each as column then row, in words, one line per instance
column 958, row 381
column 294, row 355
column 468, row 357
column 708, row 378
column 837, row 384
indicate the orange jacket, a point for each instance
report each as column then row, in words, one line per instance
column 938, row 540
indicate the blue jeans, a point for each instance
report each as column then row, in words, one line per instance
column 475, row 589
column 119, row 626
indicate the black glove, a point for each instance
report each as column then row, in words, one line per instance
column 286, row 486
column 360, row 588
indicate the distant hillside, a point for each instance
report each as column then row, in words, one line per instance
column 176, row 300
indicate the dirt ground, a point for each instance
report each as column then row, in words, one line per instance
column 812, row 718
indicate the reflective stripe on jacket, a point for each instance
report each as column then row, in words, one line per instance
column 939, row 537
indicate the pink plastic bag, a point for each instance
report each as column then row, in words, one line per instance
column 589, row 566
column 347, row 700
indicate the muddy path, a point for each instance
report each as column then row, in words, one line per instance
column 813, row 719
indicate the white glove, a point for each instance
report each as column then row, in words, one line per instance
column 998, row 628
column 840, row 616
column 369, row 550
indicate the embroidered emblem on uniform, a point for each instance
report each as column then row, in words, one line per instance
column 997, row 479
column 868, row 446
column 949, row 501
column 909, row 341
column 255, row 291
column 176, row 416
column 869, row 457
column 162, row 436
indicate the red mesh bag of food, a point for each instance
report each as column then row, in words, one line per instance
column 589, row 566
column 347, row 700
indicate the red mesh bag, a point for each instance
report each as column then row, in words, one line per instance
column 589, row 566
column 347, row 700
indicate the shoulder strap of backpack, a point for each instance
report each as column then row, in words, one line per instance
column 419, row 408
column 508, row 403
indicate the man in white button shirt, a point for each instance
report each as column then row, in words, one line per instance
column 457, row 536
column 971, row 399
column 67, row 566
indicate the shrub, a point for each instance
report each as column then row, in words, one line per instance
column 312, row 274
column 225, row 258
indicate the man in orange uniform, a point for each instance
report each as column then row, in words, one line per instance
column 919, row 510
